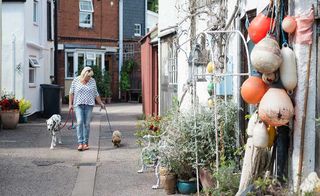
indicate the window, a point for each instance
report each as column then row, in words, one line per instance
column 137, row 30
column 69, row 63
column 78, row 59
column 35, row 11
column 85, row 14
column 172, row 64
column 33, row 62
column 49, row 21
column 32, row 77
column 91, row 57
column 128, row 51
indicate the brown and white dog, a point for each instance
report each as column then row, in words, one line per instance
column 116, row 138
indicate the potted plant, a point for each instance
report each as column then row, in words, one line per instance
column 24, row 105
column 9, row 111
column 192, row 134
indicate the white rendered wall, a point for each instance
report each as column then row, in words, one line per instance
column 12, row 39
column 301, row 51
column 151, row 20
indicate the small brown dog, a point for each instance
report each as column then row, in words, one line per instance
column 116, row 138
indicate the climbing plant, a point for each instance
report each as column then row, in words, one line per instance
column 126, row 70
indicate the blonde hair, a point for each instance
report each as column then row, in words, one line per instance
column 86, row 71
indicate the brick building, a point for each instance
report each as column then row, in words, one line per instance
column 88, row 34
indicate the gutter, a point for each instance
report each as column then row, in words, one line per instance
column 55, row 32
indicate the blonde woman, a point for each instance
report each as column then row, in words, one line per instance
column 82, row 95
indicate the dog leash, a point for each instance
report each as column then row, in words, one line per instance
column 72, row 126
column 108, row 119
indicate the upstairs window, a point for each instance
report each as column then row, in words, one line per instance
column 137, row 30
column 35, row 11
column 86, row 13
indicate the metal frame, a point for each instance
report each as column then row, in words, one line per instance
column 216, row 75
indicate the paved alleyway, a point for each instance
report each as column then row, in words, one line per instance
column 28, row 167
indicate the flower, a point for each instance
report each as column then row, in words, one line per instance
column 8, row 102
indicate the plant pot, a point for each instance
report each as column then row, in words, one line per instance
column 187, row 187
column 170, row 182
column 23, row 119
column 10, row 119
column 206, row 179
column 108, row 100
column 163, row 172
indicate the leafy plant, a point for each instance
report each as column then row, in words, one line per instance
column 126, row 70
column 149, row 126
column 24, row 105
column 228, row 178
column 106, row 80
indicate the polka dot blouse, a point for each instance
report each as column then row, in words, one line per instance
column 84, row 93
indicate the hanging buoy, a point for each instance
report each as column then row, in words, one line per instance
column 259, row 27
column 275, row 107
column 272, row 135
column 210, row 103
column 260, row 135
column 210, row 67
column 270, row 78
column 266, row 56
column 252, row 123
column 253, row 89
column 289, row 24
column 288, row 69
column 210, row 88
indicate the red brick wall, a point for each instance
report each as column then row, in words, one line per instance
column 105, row 20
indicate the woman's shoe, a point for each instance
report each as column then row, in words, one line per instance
column 80, row 147
column 85, row 147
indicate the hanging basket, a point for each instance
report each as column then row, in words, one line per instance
column 9, row 119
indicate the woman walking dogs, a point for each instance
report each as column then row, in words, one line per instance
column 82, row 96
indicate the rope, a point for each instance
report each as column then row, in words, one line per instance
column 70, row 113
column 284, row 40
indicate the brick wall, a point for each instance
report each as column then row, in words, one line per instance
column 105, row 20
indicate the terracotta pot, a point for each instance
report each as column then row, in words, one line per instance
column 170, row 184
column 10, row 119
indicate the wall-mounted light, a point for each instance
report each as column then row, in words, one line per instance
column 111, row 3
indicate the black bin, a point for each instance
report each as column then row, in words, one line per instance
column 50, row 99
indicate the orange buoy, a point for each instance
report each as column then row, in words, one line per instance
column 289, row 24
column 253, row 89
column 259, row 27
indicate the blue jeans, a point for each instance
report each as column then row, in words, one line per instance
column 83, row 115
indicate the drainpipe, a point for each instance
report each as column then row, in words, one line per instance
column 120, row 42
column 0, row 49
column 14, row 63
column 55, row 43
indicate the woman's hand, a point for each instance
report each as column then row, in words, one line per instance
column 102, row 106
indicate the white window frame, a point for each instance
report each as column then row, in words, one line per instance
column 33, row 62
column 87, row 12
column 172, row 64
column 88, row 55
column 35, row 15
column 32, row 83
column 137, row 29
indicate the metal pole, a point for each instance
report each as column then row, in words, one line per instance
column 120, row 41
column 1, row 49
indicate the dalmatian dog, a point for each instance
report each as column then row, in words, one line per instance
column 53, row 126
